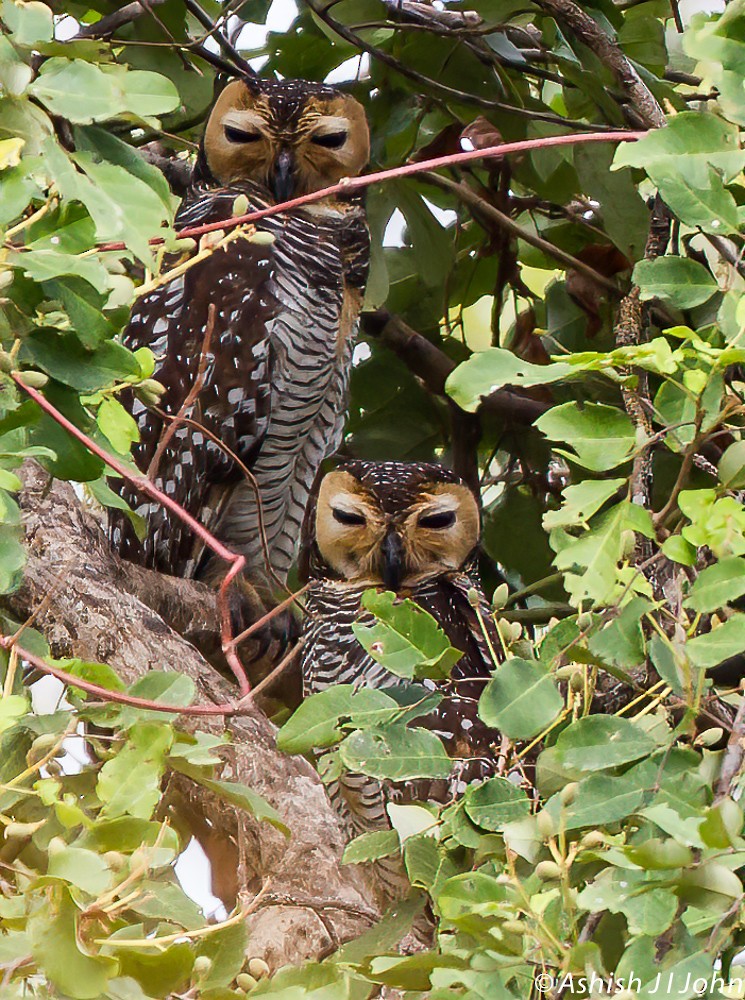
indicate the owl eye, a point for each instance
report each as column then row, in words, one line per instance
column 345, row 517
column 443, row 520
column 330, row 140
column 238, row 135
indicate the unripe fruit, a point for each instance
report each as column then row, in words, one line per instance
column 202, row 965
column 513, row 927
column 592, row 839
column 545, row 823
column 577, row 680
column 6, row 362
column 246, row 982
column 548, row 871
column 115, row 860
column 35, row 380
column 152, row 385
column 261, row 238
column 258, row 967
column 569, row 793
column 499, row 598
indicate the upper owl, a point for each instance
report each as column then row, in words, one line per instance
column 291, row 136
column 254, row 341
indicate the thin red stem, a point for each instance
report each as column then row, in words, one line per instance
column 356, row 183
column 236, row 561
column 116, row 696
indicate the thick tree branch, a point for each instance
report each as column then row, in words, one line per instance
column 94, row 615
column 106, row 26
column 610, row 53
column 427, row 362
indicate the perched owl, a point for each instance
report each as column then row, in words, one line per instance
column 413, row 529
column 283, row 317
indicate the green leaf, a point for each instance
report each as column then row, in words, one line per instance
column 406, row 639
column 621, row 642
column 717, row 585
column 117, row 425
column 495, row 368
column 164, row 686
column 397, row 753
column 598, row 742
column 496, row 803
column 725, row 641
column 691, row 144
column 602, row 436
column 679, row 280
column 233, row 792
column 63, row 358
column 129, row 784
column 84, row 92
column 84, row 305
column 581, row 502
column 521, row 700
column 679, row 550
column 732, row 466
column 82, row 868
column 44, row 265
column 711, row 207
column 316, row 722
column 54, row 944
column 29, row 22
column 371, row 846
column 12, row 708
column 226, row 949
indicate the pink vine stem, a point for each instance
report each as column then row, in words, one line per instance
column 357, row 183
column 235, row 561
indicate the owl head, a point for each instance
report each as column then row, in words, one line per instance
column 392, row 523
column 292, row 136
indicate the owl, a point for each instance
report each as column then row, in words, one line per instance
column 254, row 343
column 414, row 529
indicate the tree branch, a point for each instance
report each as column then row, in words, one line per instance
column 427, row 362
column 468, row 196
column 96, row 617
column 106, row 26
column 610, row 53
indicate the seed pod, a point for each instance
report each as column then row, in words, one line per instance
column 592, row 839
column 202, row 966
column 240, row 205
column 577, row 680
column 35, row 380
column 40, row 748
column 261, row 238
column 545, row 823
column 258, row 968
column 500, row 595
column 569, row 793
column 548, row 871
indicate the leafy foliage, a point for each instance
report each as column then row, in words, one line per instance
column 605, row 845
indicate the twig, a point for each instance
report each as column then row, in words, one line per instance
column 451, row 92
column 170, row 429
column 228, row 48
column 467, row 194
column 733, row 755
column 106, row 26
column 270, row 678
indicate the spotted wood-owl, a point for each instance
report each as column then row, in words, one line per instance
column 283, row 317
column 414, row 529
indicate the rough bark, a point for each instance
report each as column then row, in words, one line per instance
column 97, row 608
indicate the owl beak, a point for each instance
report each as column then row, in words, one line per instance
column 283, row 176
column 393, row 560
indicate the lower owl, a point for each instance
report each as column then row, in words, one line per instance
column 412, row 528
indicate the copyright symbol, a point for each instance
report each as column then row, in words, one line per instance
column 544, row 983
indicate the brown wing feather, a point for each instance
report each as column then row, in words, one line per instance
column 233, row 401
